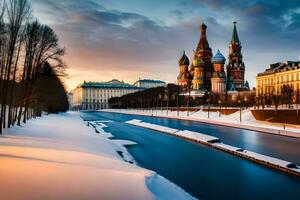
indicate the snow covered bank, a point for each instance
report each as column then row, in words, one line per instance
column 233, row 120
column 215, row 142
column 59, row 157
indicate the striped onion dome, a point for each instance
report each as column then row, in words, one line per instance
column 184, row 60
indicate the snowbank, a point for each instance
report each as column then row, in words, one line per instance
column 198, row 137
column 233, row 120
column 59, row 157
column 152, row 126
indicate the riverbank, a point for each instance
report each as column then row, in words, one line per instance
column 60, row 157
column 233, row 120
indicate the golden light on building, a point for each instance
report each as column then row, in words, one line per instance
column 279, row 75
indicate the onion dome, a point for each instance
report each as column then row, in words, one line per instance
column 198, row 62
column 184, row 60
column 218, row 58
column 215, row 75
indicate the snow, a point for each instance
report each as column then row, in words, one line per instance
column 197, row 136
column 265, row 158
column 173, row 192
column 152, row 126
column 59, row 157
column 227, row 147
column 233, row 120
column 216, row 143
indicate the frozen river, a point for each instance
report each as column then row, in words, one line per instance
column 204, row 172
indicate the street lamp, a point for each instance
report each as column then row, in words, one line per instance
column 246, row 101
column 219, row 107
column 208, row 106
column 177, row 104
column 167, row 98
column 239, row 101
column 188, row 102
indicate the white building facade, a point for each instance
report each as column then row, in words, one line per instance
column 95, row 95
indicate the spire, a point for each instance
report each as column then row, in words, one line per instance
column 235, row 37
column 203, row 43
column 184, row 60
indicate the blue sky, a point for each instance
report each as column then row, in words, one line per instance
column 131, row 39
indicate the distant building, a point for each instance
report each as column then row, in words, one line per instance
column 147, row 83
column 95, row 95
column 277, row 77
column 206, row 73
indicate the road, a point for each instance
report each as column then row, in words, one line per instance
column 204, row 172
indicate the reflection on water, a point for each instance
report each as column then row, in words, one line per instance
column 204, row 172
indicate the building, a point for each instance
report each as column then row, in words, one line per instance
column 278, row 77
column 184, row 78
column 147, row 83
column 201, row 67
column 207, row 73
column 235, row 67
column 95, row 95
column 218, row 80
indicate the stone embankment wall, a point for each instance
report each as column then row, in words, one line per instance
column 291, row 116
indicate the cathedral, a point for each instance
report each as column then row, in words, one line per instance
column 207, row 72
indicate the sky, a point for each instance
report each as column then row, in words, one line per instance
column 133, row 39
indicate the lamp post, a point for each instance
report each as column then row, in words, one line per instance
column 177, row 104
column 188, row 102
column 219, row 108
column 167, row 99
column 208, row 106
column 246, row 102
column 239, row 101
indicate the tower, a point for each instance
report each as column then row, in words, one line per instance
column 218, row 80
column 201, row 67
column 235, row 67
column 184, row 77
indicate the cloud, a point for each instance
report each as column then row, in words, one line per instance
column 104, row 43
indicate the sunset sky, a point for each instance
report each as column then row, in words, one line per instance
column 132, row 39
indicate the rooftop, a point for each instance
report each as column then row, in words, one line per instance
column 151, row 81
column 281, row 67
column 109, row 84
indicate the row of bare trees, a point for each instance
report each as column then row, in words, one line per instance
column 168, row 96
column 287, row 97
column 25, row 47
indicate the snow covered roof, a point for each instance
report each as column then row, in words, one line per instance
column 110, row 84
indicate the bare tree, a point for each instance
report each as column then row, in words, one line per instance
column 41, row 46
column 16, row 14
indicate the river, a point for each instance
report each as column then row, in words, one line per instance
column 204, row 172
